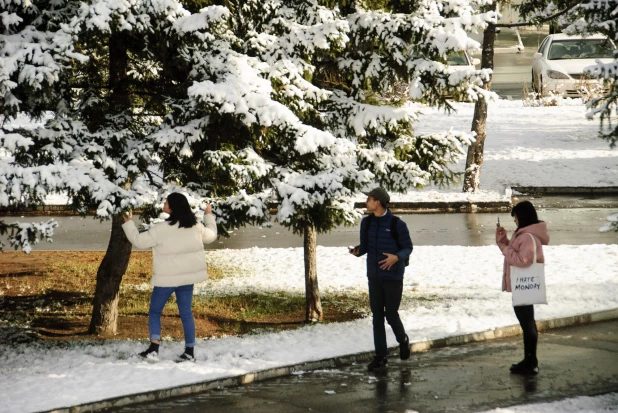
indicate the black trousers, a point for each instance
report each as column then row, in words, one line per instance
column 384, row 299
column 525, row 315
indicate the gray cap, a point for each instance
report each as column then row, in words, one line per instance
column 379, row 194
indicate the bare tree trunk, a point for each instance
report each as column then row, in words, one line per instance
column 105, row 304
column 114, row 265
column 553, row 27
column 312, row 291
column 474, row 161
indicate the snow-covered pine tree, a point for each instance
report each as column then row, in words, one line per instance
column 286, row 106
column 32, row 51
column 247, row 104
column 96, row 74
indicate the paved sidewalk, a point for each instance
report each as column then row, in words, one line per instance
column 574, row 361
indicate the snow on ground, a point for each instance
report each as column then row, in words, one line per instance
column 597, row 404
column 460, row 287
column 534, row 146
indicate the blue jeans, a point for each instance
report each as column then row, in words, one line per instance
column 184, row 298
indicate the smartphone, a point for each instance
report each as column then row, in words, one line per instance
column 498, row 224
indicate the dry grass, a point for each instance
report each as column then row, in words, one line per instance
column 49, row 294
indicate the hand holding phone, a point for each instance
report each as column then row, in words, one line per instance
column 500, row 232
column 127, row 215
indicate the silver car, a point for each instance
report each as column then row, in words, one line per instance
column 561, row 61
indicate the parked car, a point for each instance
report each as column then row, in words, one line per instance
column 559, row 65
column 458, row 61
column 461, row 58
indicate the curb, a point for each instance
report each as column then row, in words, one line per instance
column 399, row 207
column 566, row 190
column 509, row 50
column 188, row 389
column 444, row 206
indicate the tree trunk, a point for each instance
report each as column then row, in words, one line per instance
column 118, row 73
column 312, row 291
column 553, row 27
column 105, row 304
column 474, row 161
column 112, row 268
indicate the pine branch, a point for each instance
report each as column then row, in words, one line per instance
column 569, row 7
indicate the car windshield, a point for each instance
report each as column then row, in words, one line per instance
column 581, row 49
column 457, row 59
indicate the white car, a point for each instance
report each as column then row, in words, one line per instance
column 559, row 65
column 461, row 58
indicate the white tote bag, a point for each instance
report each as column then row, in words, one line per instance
column 528, row 284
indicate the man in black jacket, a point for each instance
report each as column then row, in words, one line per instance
column 386, row 241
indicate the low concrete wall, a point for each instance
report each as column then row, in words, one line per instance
column 566, row 190
column 459, row 206
column 185, row 390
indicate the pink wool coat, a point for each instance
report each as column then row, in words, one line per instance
column 518, row 251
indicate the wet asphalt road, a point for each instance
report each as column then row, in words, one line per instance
column 573, row 226
column 573, row 361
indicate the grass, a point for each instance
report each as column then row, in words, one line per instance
column 50, row 294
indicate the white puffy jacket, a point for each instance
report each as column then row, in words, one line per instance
column 177, row 253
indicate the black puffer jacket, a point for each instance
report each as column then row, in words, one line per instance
column 378, row 240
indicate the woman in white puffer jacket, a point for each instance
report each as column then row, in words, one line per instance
column 178, row 263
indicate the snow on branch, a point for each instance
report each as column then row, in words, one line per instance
column 126, row 15
column 25, row 235
column 304, row 191
column 243, row 208
column 204, row 20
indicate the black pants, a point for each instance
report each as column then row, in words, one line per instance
column 525, row 315
column 384, row 299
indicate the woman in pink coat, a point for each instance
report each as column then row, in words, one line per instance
column 519, row 252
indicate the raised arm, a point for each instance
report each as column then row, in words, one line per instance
column 521, row 254
column 501, row 239
column 139, row 240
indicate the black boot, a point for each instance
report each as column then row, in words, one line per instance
column 378, row 362
column 529, row 365
column 187, row 355
column 524, row 368
column 404, row 349
column 151, row 353
column 517, row 365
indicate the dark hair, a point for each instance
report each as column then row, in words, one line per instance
column 526, row 214
column 181, row 211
